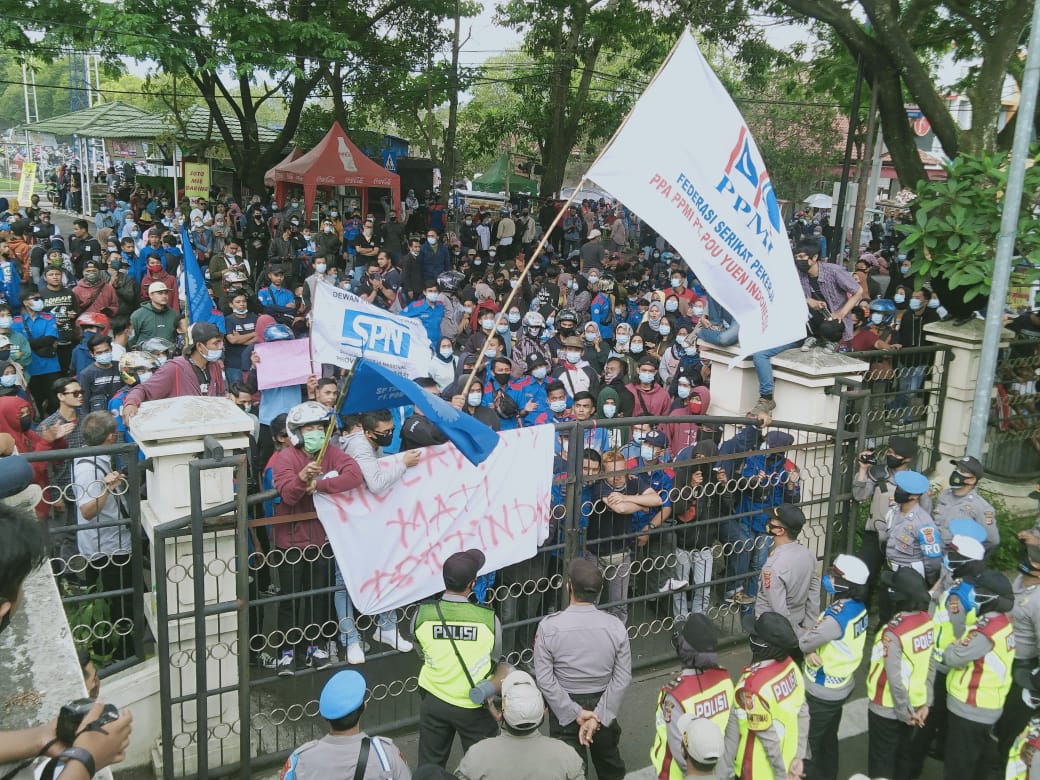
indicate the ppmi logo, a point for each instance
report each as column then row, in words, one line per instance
column 372, row 333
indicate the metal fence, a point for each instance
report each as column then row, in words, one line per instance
column 228, row 709
column 1013, row 435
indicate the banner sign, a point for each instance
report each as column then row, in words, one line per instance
column 691, row 169
column 25, row 183
column 345, row 327
column 283, row 363
column 390, row 548
column 196, row 180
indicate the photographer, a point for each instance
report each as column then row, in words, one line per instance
column 24, row 550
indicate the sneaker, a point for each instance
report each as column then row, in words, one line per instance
column 830, row 346
column 808, row 344
column 740, row 597
column 672, row 585
column 318, row 657
column 391, row 637
column 355, row 655
column 763, row 404
column 265, row 660
column 287, row 664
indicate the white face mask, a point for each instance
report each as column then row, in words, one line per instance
column 143, row 376
column 327, row 228
column 682, row 391
column 467, row 309
column 899, row 298
column 5, row 322
column 487, row 324
column 609, row 410
column 241, row 311
column 637, row 347
column 557, row 406
column 490, row 353
column 676, row 283
column 646, row 377
column 593, row 280
column 876, row 318
column 433, row 297
column 431, row 240
column 646, row 451
column 540, row 372
column 573, row 356
column 697, row 311
column 672, row 305
column 447, row 352
column 513, row 318
column 664, row 330
column 320, row 267
column 8, row 380
column 474, row 399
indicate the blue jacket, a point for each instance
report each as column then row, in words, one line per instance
column 434, row 261
column 277, row 300
column 35, row 329
column 520, row 390
column 10, row 284
column 431, row 316
column 757, row 503
column 601, row 311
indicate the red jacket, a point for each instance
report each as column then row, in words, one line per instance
column 176, row 378
column 287, row 465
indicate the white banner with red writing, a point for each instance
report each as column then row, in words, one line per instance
column 390, row 547
column 685, row 162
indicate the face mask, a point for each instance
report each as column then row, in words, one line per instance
column 213, row 355
column 676, row 283
column 513, row 318
column 431, row 241
column 690, row 351
column 933, row 303
column 312, row 440
column 573, row 356
column 828, row 584
column 609, row 410
column 143, row 376
column 333, row 213
column 91, row 276
column 474, row 399
column 447, row 353
column 320, row 267
column 469, row 221
column 590, row 338
column 502, row 327
column 8, row 380
column 876, row 318
column 104, row 359
column 802, row 266
column 5, row 322
column 905, row 269
column 161, row 359
column 620, row 312
column 915, row 304
column 383, row 439
column 477, row 261
column 25, row 423
column 621, row 341
column 306, row 236
column 899, row 298
column 664, row 330
column 487, row 324
column 672, row 305
column 491, row 253
column 593, row 280
column 697, row 311
column 36, row 306
column 433, row 297
column 5, row 355
column 901, row 496
column 646, row 377
column 646, row 451
column 540, row 373
column 682, row 391
column 957, row 479
column 893, row 461
column 490, row 353
column 197, row 223
column 637, row 347
column 513, row 283
column 467, row 309
column 557, row 406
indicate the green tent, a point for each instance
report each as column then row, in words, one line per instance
column 494, row 179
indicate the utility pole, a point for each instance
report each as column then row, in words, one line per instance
column 862, row 176
column 839, row 215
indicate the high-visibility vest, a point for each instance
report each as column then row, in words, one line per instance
column 769, row 695
column 915, row 633
column 985, row 681
column 707, row 694
column 841, row 657
column 473, row 629
column 1020, row 758
column 944, row 635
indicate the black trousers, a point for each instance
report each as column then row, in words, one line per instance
column 889, row 746
column 824, row 720
column 439, row 722
column 967, row 749
column 302, row 572
column 606, row 756
column 934, row 727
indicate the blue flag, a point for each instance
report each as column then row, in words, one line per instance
column 375, row 387
column 200, row 304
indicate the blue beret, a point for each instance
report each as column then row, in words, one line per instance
column 965, row 526
column 343, row 694
column 911, row 481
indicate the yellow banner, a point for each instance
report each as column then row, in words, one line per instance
column 26, row 182
column 196, row 180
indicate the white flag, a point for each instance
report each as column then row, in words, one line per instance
column 686, row 163
column 345, row 327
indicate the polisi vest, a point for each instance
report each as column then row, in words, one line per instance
column 472, row 628
column 915, row 633
column 769, row 695
column 985, row 681
column 1022, row 752
column 707, row 694
column 944, row 635
column 841, row 657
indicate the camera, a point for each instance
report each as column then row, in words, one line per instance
column 70, row 719
column 868, row 459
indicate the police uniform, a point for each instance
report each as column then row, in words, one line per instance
column 789, row 584
column 949, row 506
column 1024, row 756
column 912, row 540
column 1025, row 617
column 704, row 693
column 444, row 685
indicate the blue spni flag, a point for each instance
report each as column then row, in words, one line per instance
column 200, row 304
column 376, row 387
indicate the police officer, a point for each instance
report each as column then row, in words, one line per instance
column 902, row 670
column 979, row 678
column 346, row 751
column 961, row 499
column 767, row 732
column 908, row 535
column 1026, row 620
column 1024, row 757
column 459, row 642
column 788, row 582
column 833, row 652
column 702, row 689
column 873, row 482
column 583, row 664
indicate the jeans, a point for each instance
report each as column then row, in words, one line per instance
column 730, row 332
column 764, row 368
column 763, row 544
column 695, row 567
column 348, row 633
column 735, row 534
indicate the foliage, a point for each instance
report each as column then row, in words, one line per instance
column 84, row 616
column 1005, row 557
column 956, row 222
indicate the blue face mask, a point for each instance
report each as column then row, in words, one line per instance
column 915, row 303
column 828, row 584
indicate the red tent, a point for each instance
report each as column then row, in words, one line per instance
column 335, row 162
column 295, row 154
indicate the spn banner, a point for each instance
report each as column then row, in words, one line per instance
column 345, row 327
column 390, row 547
column 691, row 169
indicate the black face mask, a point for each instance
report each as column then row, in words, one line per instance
column 383, row 439
column 893, row 461
column 802, row 266
column 901, row 496
column 502, row 378
column 957, row 479
column 566, row 330
column 5, row 355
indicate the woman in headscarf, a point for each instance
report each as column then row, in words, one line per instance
column 16, row 418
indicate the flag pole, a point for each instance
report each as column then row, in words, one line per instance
column 335, row 410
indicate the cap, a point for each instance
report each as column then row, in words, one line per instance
column 702, row 739
column 460, row 569
column 790, row 517
column 774, row 629
column 471, row 252
column 342, row 695
column 276, row 268
column 522, row 704
column 903, row 446
column 913, row 482
column 574, row 341
column 656, row 438
column 967, row 547
column 779, row 439
column 204, row 331
column 970, row 465
column 535, row 359
column 699, row 633
column 155, row 287
column 994, row 582
column 851, row 569
column 594, row 234
column 95, row 264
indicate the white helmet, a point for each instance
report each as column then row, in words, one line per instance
column 851, row 569
column 307, row 413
